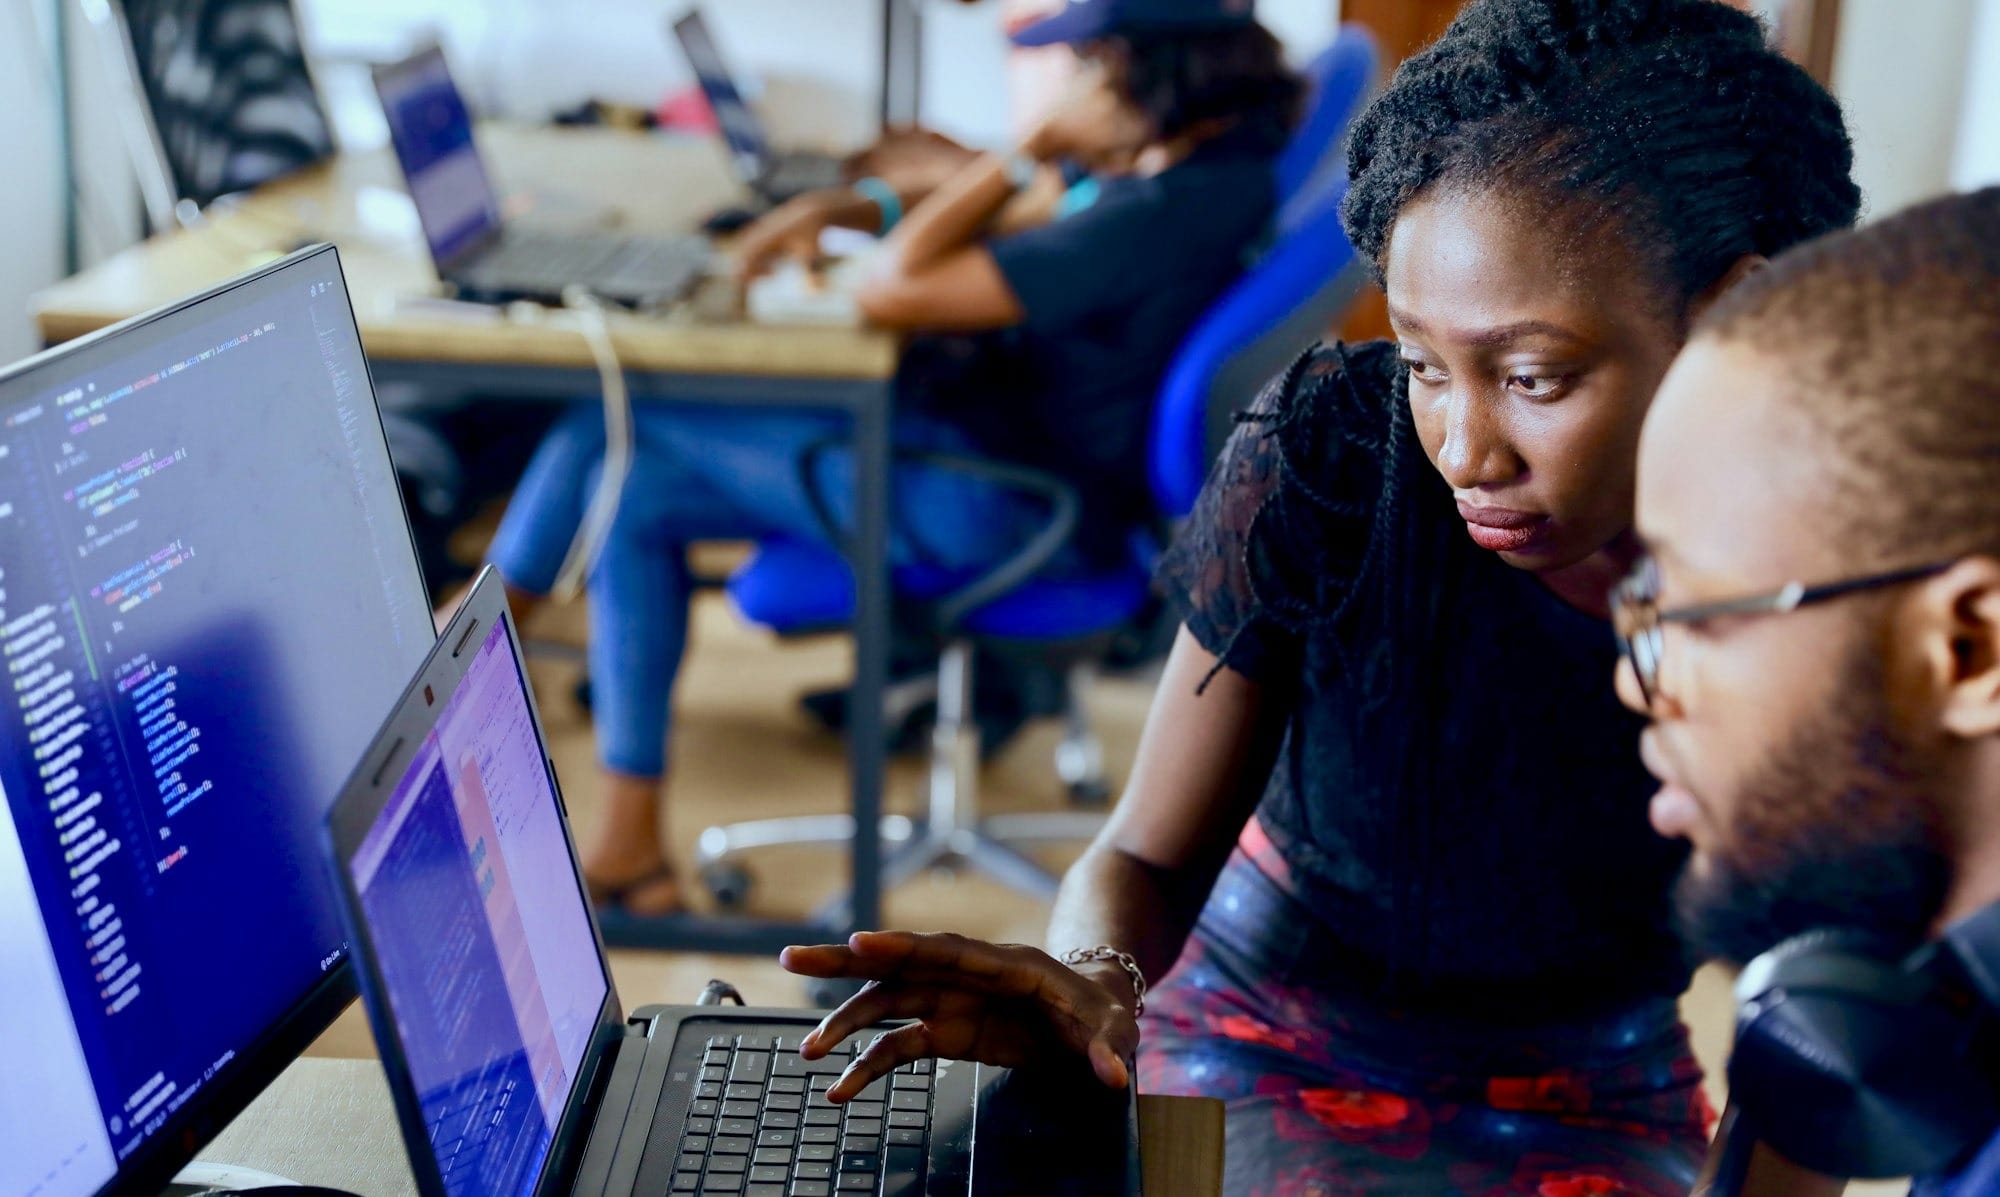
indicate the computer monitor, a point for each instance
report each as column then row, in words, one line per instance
column 741, row 129
column 431, row 131
column 209, row 601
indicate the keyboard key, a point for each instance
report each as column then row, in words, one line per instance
column 822, row 1117
column 788, row 1084
column 790, row 1043
column 704, row 1109
column 864, row 1126
column 690, row 1163
column 875, row 1090
column 862, row 1143
column 741, row 1109
column 908, row 1119
column 922, row 1067
column 708, row 1089
column 912, row 1082
column 737, row 1126
column 741, row 1092
column 903, row 1137
column 906, row 1100
column 791, row 1102
column 819, row 1153
column 767, row 1190
column 819, row 1134
column 722, row 1182
column 715, row 1072
column 768, row 1174
column 858, row 1161
column 813, row 1171
column 866, row 1109
column 812, row 1188
column 771, row 1155
column 830, row 1066
column 857, row 1182
column 694, row 1144
column 818, row 1099
column 725, row 1042
column 786, row 1065
column 727, row 1163
column 686, row 1182
column 752, row 1067
column 779, row 1120
column 777, row 1138
column 753, row 1043
column 732, row 1145
column 700, row 1126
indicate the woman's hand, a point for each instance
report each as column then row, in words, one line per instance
column 1000, row 1004
column 791, row 230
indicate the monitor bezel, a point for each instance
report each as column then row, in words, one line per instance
column 231, row 1090
column 361, row 802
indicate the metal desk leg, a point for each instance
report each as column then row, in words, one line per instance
column 866, row 745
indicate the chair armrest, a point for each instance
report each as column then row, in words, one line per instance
column 1034, row 556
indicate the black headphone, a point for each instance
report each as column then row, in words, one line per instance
column 1856, row 1062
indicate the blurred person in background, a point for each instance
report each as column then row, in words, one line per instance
column 1043, row 321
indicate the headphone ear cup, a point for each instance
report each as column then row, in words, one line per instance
column 1854, row 1066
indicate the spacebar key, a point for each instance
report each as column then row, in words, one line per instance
column 903, row 1172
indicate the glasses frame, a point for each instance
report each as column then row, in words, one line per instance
column 1640, row 623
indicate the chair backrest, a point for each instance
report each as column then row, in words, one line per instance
column 1337, row 81
column 224, row 96
column 1279, row 307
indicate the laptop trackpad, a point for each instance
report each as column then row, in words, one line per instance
column 1052, row 1131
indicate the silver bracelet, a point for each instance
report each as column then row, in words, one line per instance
column 1106, row 953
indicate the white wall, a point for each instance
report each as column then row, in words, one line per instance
column 1977, row 162
column 1900, row 73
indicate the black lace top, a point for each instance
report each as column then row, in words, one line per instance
column 1459, row 794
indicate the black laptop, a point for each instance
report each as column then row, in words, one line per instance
column 775, row 175
column 514, row 1066
column 490, row 260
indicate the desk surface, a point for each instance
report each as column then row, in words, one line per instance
column 636, row 181
column 330, row 1122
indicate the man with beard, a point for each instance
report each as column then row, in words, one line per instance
column 1816, row 630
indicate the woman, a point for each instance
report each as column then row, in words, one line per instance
column 1072, row 322
column 1438, row 957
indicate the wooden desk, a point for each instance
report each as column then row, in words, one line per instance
column 562, row 177
column 701, row 351
column 330, row 1122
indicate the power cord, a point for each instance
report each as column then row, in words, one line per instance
column 603, row 510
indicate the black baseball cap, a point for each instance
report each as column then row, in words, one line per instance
column 1088, row 20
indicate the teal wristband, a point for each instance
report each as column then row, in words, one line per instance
column 885, row 198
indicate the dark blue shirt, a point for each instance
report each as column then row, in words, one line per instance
column 1109, row 292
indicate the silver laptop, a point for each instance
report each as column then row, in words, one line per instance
column 492, row 261
column 773, row 174
column 516, row 1069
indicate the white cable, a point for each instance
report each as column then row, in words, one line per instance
column 603, row 510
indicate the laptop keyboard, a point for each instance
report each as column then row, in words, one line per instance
column 653, row 265
column 760, row 1125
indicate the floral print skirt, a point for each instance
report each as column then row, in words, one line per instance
column 1331, row 1096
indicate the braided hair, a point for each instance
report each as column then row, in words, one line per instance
column 1672, row 119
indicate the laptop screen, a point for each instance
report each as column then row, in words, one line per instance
column 208, row 604
column 739, row 125
column 432, row 132
column 482, row 942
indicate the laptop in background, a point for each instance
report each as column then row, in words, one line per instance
column 775, row 175
column 493, row 261
column 514, row 1066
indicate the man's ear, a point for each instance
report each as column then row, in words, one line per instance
column 1739, row 270
column 1959, row 614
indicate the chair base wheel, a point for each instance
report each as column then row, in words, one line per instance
column 728, row 883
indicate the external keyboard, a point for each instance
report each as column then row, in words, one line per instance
column 760, row 1125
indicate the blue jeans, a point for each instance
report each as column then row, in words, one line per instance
column 719, row 474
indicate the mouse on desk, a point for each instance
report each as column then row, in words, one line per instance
column 728, row 220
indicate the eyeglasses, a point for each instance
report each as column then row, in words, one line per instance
column 1637, row 618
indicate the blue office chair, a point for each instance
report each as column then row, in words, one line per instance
column 1277, row 309
column 1337, row 81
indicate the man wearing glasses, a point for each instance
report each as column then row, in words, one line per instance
column 1816, row 635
